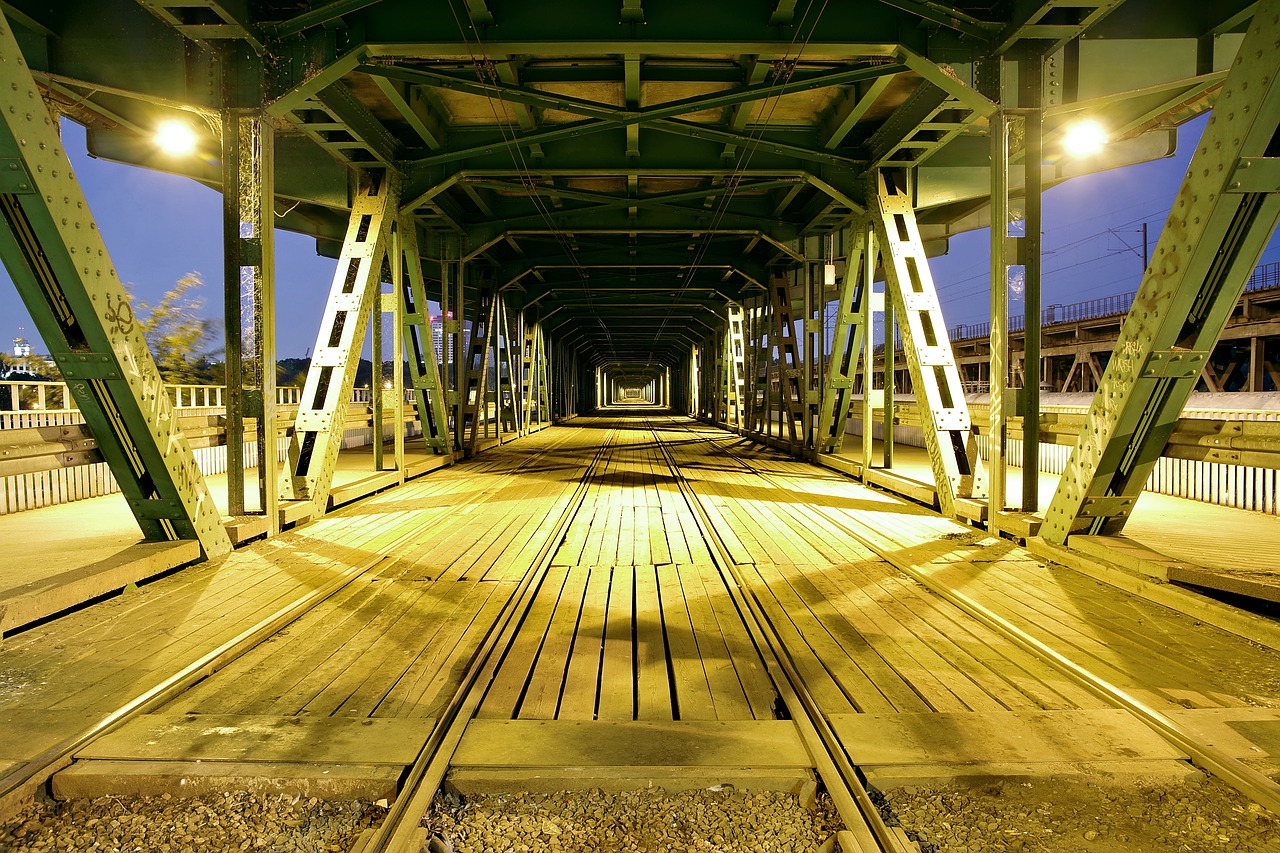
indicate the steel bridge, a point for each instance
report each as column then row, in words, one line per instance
column 643, row 209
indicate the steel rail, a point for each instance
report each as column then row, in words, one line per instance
column 26, row 777
column 399, row 831
column 1253, row 784
column 841, row 777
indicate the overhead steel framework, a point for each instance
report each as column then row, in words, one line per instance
column 605, row 198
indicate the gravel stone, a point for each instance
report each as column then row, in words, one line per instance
column 226, row 822
column 1047, row 816
column 649, row 820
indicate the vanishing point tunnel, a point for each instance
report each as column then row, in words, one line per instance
column 667, row 516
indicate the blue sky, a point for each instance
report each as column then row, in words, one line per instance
column 159, row 227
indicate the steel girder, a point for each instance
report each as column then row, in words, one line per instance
column 248, row 204
column 847, row 340
column 948, row 433
column 424, row 369
column 1226, row 210
column 53, row 250
column 317, row 436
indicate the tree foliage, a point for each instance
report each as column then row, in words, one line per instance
column 179, row 336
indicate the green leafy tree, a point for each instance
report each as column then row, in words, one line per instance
column 179, row 336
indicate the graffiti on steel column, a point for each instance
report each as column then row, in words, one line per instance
column 119, row 316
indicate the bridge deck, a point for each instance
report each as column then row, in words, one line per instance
column 634, row 623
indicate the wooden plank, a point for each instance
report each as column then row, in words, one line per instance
column 1037, row 685
column 262, row 738
column 502, row 698
column 617, row 669
column 747, row 668
column 541, row 743
column 653, row 684
column 693, row 699
column 342, row 783
column 548, row 677
column 1005, row 736
column 424, row 691
column 582, row 677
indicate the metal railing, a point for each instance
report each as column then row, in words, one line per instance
column 1264, row 277
column 37, row 404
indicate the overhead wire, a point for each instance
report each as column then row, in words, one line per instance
column 485, row 66
column 784, row 68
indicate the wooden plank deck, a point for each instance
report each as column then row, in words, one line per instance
column 634, row 623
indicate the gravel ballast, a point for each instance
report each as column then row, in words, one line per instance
column 227, row 822
column 725, row 821
column 1047, row 816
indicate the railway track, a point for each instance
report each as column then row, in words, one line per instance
column 519, row 616
column 1255, row 785
column 18, row 782
column 865, row 831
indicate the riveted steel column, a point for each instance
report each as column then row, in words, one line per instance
column 998, row 437
column 1031, row 73
column 56, row 256
column 424, row 365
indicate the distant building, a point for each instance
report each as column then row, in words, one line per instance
column 438, row 337
column 21, row 348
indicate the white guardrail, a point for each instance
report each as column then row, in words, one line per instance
column 48, row 456
column 1225, row 449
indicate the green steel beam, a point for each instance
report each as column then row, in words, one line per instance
column 317, row 434
column 414, row 109
column 56, row 256
column 314, row 17
column 949, row 17
column 1224, row 214
column 1034, row 21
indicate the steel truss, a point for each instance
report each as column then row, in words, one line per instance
column 790, row 370
column 56, row 256
column 1224, row 215
column 317, row 436
column 948, row 432
column 847, row 341
column 477, row 376
column 424, row 371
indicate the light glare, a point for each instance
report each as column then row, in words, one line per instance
column 1084, row 138
column 175, row 138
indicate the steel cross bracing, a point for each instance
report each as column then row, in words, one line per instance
column 847, row 343
column 55, row 254
column 735, row 366
column 536, row 405
column 477, row 375
column 790, row 371
column 424, row 370
column 948, row 431
column 317, row 434
column 1225, row 212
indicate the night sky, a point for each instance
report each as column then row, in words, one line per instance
column 159, row 227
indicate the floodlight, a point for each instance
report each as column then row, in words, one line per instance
column 1083, row 138
column 175, row 138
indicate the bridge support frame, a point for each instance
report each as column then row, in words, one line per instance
column 424, row 369
column 248, row 225
column 944, row 414
column 847, row 341
column 56, row 256
column 1224, row 214
column 317, row 435
column 734, row 366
